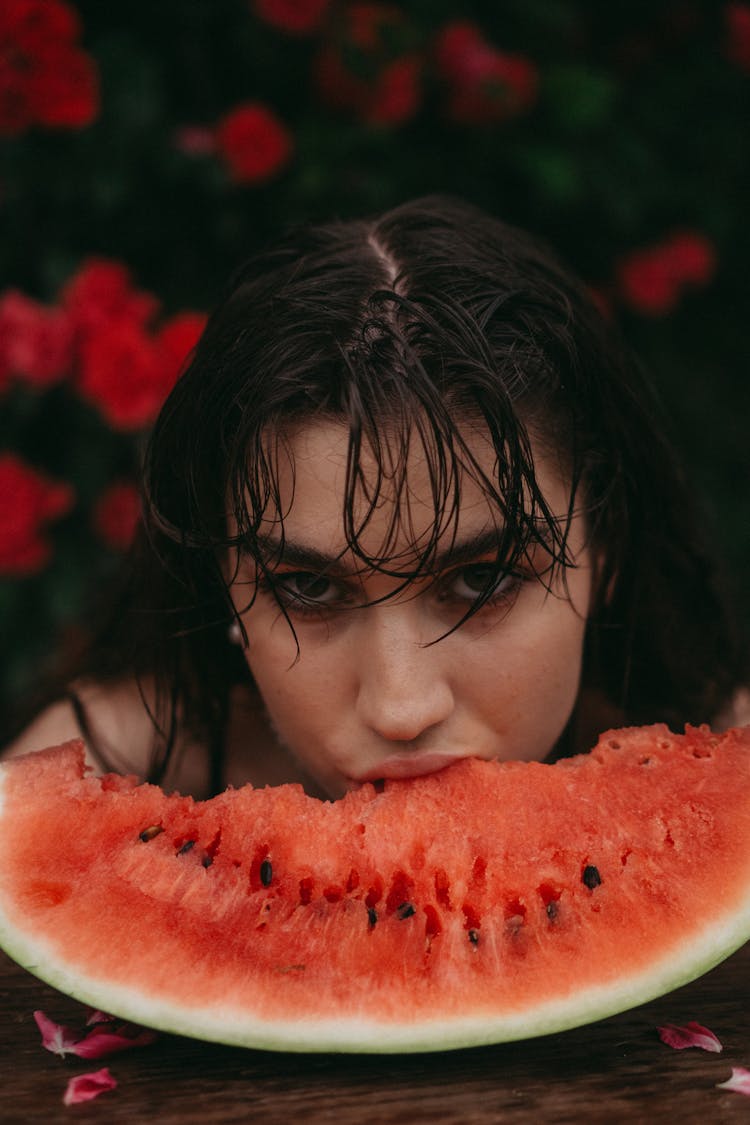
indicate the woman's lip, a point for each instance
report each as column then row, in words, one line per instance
column 401, row 766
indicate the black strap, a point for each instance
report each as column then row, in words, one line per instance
column 217, row 747
column 84, row 727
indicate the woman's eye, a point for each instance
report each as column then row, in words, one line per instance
column 308, row 589
column 471, row 582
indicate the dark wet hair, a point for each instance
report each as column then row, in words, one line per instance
column 405, row 327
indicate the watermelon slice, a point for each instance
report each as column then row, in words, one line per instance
column 483, row 903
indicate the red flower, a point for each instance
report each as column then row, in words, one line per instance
column 177, row 337
column 397, row 93
column 370, row 69
column 123, row 373
column 652, row 280
column 32, row 24
column 101, row 292
column 64, row 92
column 297, row 17
column 647, row 283
column 484, row 84
column 28, row 500
column 737, row 24
column 254, row 143
column 124, row 367
column 116, row 514
column 692, row 257
column 36, row 342
column 45, row 78
column 461, row 52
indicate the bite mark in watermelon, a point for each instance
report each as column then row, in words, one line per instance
column 484, row 903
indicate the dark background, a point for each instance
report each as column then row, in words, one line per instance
column 606, row 128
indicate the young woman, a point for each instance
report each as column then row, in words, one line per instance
column 409, row 501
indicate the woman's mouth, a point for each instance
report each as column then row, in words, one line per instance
column 402, row 766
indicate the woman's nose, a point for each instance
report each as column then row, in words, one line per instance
column 403, row 686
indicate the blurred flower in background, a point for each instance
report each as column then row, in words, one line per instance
column 36, row 341
column 737, row 43
column 103, row 339
column 116, row 514
column 370, row 66
column 254, row 143
column 297, row 17
column 147, row 149
column 29, row 501
column 45, row 77
column 652, row 280
column 483, row 84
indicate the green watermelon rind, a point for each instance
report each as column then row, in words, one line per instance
column 678, row 966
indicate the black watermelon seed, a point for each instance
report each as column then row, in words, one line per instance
column 186, row 847
column 207, row 860
column 591, row 877
column 266, row 873
column 405, row 910
column 474, row 937
column 552, row 910
column 149, row 833
column 372, row 915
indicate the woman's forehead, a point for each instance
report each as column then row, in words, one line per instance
column 396, row 507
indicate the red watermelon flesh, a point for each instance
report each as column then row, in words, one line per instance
column 482, row 903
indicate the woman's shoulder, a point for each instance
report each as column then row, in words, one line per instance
column 55, row 724
column 738, row 712
column 112, row 718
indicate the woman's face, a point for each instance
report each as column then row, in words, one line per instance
column 368, row 696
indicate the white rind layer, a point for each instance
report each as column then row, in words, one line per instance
column 223, row 1024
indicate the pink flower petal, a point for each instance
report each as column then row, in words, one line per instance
column 84, row 1087
column 739, row 1082
column 102, row 1041
column 105, row 1037
column 692, row 1035
column 94, row 1015
column 57, row 1038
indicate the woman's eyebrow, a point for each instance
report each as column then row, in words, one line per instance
column 281, row 552
column 481, row 545
column 275, row 551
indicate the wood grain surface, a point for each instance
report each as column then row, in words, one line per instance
column 613, row 1071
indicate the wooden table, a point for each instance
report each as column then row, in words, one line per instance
column 613, row 1071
